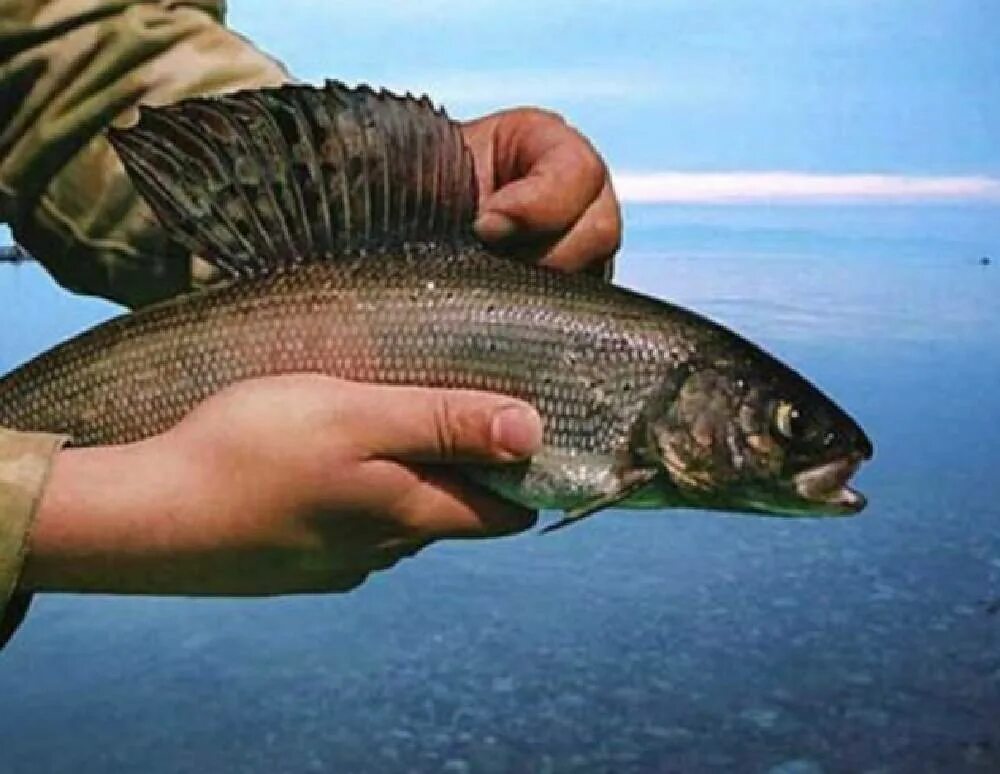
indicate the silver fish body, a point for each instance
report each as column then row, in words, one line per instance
column 586, row 354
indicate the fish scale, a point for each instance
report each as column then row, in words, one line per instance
column 479, row 323
column 431, row 324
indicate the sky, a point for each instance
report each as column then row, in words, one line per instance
column 902, row 97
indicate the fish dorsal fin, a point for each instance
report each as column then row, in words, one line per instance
column 261, row 179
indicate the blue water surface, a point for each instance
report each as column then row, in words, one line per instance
column 667, row 641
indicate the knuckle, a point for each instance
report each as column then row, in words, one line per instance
column 542, row 115
column 445, row 426
column 333, row 437
column 607, row 230
column 590, row 161
column 592, row 168
column 393, row 551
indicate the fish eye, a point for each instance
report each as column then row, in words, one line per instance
column 785, row 419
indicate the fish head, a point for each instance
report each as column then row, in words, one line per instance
column 747, row 433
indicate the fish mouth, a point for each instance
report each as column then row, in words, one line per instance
column 826, row 484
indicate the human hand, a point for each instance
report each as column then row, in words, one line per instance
column 286, row 484
column 544, row 193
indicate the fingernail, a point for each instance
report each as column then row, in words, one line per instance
column 517, row 431
column 495, row 227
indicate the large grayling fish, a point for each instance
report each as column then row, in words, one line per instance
column 341, row 219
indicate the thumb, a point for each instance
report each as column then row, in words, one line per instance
column 439, row 425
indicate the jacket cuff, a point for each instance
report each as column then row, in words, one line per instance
column 25, row 462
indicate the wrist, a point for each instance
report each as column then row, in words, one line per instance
column 100, row 506
column 162, row 516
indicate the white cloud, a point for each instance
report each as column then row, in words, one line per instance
column 795, row 187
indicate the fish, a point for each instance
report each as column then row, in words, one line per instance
column 340, row 222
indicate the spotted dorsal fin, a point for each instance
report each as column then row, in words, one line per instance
column 261, row 179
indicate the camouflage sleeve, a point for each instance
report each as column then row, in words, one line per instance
column 24, row 465
column 69, row 68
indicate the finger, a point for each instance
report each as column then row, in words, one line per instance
column 414, row 423
column 388, row 554
column 559, row 186
column 447, row 507
column 434, row 504
column 593, row 240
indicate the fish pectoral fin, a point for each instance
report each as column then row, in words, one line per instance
column 628, row 484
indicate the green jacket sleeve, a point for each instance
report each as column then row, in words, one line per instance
column 25, row 459
column 68, row 69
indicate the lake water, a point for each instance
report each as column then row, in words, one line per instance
column 674, row 641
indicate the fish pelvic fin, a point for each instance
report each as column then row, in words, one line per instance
column 257, row 180
column 629, row 483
